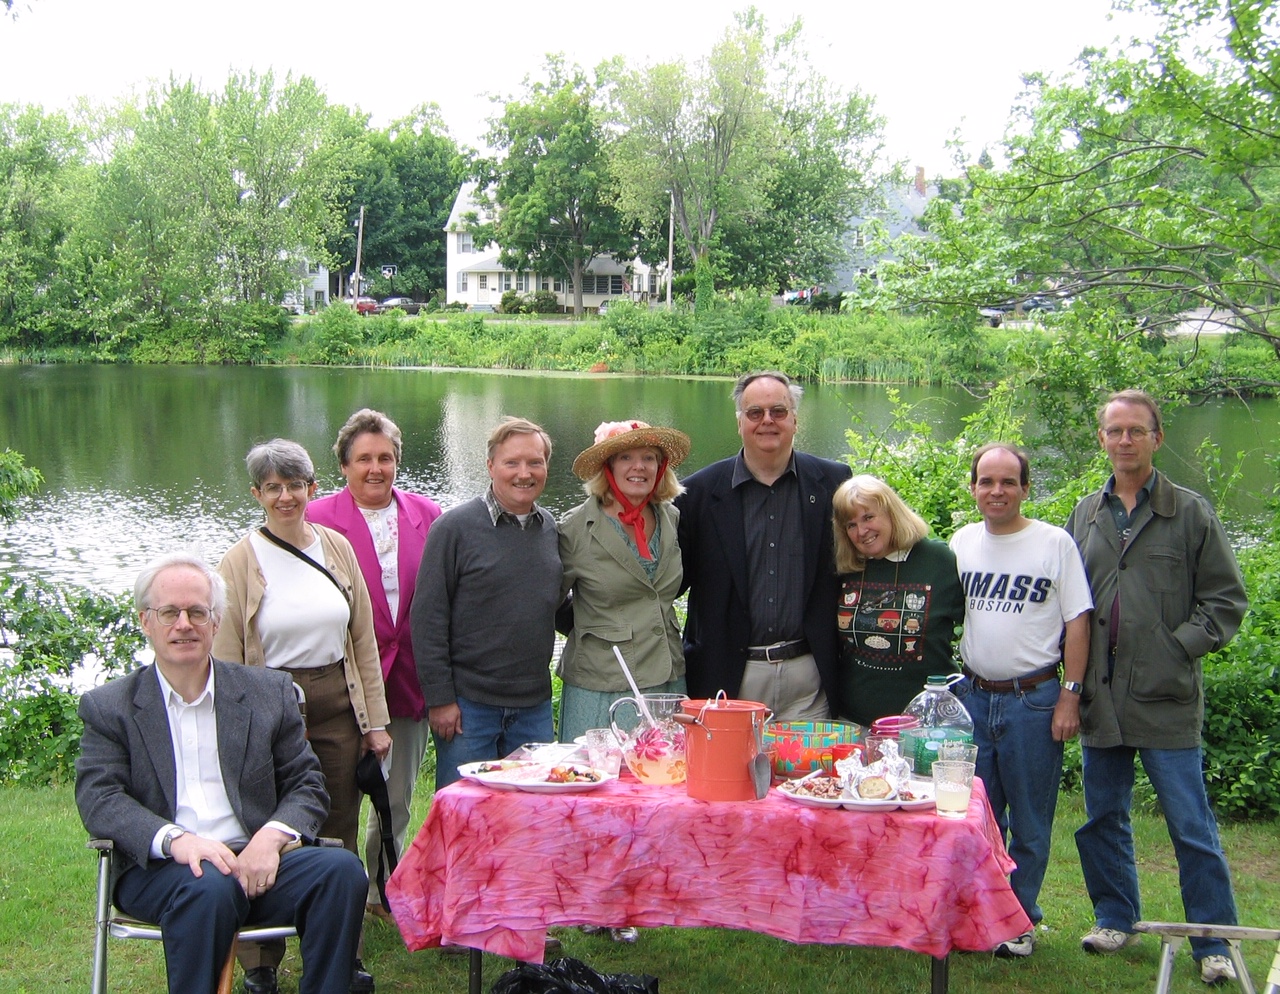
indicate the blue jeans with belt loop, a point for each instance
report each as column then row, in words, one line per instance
column 1105, row 841
column 1021, row 768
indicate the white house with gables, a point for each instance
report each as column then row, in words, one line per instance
column 476, row 278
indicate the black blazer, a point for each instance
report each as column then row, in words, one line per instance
column 713, row 546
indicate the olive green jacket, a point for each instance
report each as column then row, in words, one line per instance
column 1181, row 596
column 615, row 602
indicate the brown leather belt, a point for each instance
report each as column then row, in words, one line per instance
column 1015, row 685
column 779, row 652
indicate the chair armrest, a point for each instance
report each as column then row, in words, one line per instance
column 327, row 843
column 102, row 845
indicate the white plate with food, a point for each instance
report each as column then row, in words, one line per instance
column 913, row 795
column 566, row 778
column 500, row 774
column 817, row 790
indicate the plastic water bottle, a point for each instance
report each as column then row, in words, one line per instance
column 942, row 718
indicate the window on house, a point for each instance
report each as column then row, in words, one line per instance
column 859, row 238
column 504, row 281
column 464, row 242
column 484, row 281
column 653, row 282
column 615, row 284
column 544, row 283
column 557, row 286
column 522, row 282
column 462, row 282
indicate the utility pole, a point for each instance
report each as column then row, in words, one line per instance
column 355, row 293
column 671, row 244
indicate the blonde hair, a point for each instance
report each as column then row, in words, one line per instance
column 668, row 489
column 906, row 527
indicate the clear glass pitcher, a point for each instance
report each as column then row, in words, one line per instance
column 653, row 753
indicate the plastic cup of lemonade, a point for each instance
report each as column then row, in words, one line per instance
column 952, row 785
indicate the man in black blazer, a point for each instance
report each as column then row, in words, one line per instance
column 755, row 536
column 200, row 773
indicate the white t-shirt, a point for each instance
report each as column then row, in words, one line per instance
column 303, row 617
column 1020, row 589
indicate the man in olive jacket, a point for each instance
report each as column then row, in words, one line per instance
column 1166, row 590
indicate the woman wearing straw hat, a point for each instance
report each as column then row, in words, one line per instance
column 622, row 562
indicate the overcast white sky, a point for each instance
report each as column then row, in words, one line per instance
column 933, row 65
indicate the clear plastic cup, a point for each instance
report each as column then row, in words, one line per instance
column 961, row 752
column 952, row 785
column 603, row 750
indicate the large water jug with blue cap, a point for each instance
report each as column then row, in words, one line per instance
column 942, row 719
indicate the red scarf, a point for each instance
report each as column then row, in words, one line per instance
column 634, row 516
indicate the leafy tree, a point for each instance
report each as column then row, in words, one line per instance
column 550, row 194
column 1145, row 184
column 40, row 157
column 407, row 178
column 205, row 203
column 824, row 174
column 16, row 480
column 699, row 143
column 764, row 160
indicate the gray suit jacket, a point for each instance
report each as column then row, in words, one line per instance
column 126, row 775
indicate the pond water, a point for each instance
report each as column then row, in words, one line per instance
column 143, row 460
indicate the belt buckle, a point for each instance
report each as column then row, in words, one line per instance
column 769, row 650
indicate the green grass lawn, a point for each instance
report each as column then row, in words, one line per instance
column 46, row 928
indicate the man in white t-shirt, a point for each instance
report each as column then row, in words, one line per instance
column 1027, row 605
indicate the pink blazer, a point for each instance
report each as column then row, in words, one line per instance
column 399, row 671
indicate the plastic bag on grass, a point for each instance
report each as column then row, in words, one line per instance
column 570, row 976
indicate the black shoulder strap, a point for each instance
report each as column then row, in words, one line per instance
column 295, row 551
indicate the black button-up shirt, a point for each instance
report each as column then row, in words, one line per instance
column 774, row 536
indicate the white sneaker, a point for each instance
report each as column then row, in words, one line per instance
column 1023, row 945
column 624, row 933
column 1216, row 969
column 1107, row 940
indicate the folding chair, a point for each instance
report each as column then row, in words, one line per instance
column 110, row 920
column 1171, row 936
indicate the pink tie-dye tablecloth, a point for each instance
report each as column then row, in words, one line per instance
column 493, row 869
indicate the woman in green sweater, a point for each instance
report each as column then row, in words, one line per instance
column 900, row 601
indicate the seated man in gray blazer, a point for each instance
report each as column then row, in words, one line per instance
column 200, row 773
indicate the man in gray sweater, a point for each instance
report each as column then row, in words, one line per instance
column 483, row 613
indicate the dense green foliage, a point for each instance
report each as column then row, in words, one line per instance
column 760, row 159
column 550, row 191
column 16, row 480
column 1144, row 186
column 55, row 635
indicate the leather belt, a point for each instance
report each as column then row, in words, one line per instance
column 779, row 652
column 1016, row 685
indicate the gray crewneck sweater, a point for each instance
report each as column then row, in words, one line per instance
column 483, row 612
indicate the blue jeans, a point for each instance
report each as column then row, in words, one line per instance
column 490, row 732
column 1105, row 841
column 1021, row 767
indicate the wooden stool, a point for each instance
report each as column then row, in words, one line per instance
column 1171, row 936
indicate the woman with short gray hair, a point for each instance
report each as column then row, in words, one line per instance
column 297, row 601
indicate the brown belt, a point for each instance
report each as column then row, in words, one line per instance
column 1010, row 686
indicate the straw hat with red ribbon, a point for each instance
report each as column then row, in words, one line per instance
column 613, row 437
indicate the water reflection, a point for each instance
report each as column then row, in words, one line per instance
column 140, row 461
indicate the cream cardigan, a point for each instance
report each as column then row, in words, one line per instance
column 238, row 640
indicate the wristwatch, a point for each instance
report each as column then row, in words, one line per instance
column 1073, row 686
column 166, row 843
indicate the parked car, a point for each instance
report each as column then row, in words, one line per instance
column 604, row 306
column 406, row 304
column 1040, row 303
column 362, row 305
column 995, row 313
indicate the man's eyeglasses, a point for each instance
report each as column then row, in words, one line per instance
column 755, row 415
column 168, row 615
column 296, row 488
column 1135, row 434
